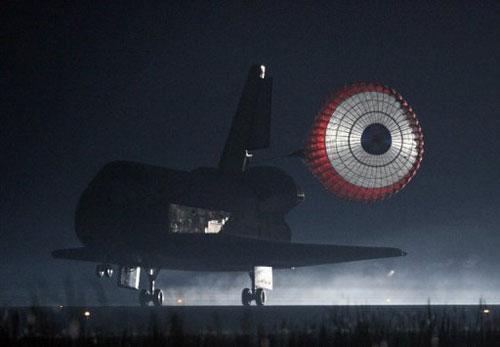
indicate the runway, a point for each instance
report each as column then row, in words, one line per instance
column 247, row 320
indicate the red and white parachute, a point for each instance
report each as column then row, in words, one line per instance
column 366, row 143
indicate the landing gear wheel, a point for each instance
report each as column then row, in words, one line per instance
column 260, row 297
column 246, row 297
column 158, row 297
column 144, row 297
column 109, row 272
column 100, row 270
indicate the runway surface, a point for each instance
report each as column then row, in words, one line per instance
column 247, row 320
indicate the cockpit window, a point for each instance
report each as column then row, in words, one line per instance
column 186, row 219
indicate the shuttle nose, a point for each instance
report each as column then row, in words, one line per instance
column 403, row 253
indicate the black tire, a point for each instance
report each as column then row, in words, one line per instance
column 260, row 296
column 109, row 272
column 100, row 271
column 246, row 297
column 158, row 297
column 144, row 297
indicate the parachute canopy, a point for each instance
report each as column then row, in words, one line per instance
column 366, row 143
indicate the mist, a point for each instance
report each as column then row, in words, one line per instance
column 344, row 285
column 443, row 269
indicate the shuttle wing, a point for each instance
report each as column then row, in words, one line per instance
column 217, row 253
column 297, row 254
column 243, row 253
column 97, row 255
column 80, row 253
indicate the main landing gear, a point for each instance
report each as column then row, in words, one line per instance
column 250, row 294
column 151, row 295
column 102, row 270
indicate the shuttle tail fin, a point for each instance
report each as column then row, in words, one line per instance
column 251, row 126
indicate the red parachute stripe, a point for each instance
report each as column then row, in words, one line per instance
column 320, row 165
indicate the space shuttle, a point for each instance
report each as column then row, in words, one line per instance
column 135, row 219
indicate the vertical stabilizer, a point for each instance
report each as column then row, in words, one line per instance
column 251, row 126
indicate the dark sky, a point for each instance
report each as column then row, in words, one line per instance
column 85, row 84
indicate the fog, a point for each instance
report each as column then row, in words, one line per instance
column 348, row 284
column 441, row 266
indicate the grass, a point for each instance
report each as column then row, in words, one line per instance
column 337, row 326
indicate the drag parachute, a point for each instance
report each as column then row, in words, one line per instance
column 366, row 143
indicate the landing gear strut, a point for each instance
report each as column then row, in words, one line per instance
column 151, row 295
column 250, row 294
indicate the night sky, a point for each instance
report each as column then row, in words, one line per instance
column 85, row 84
